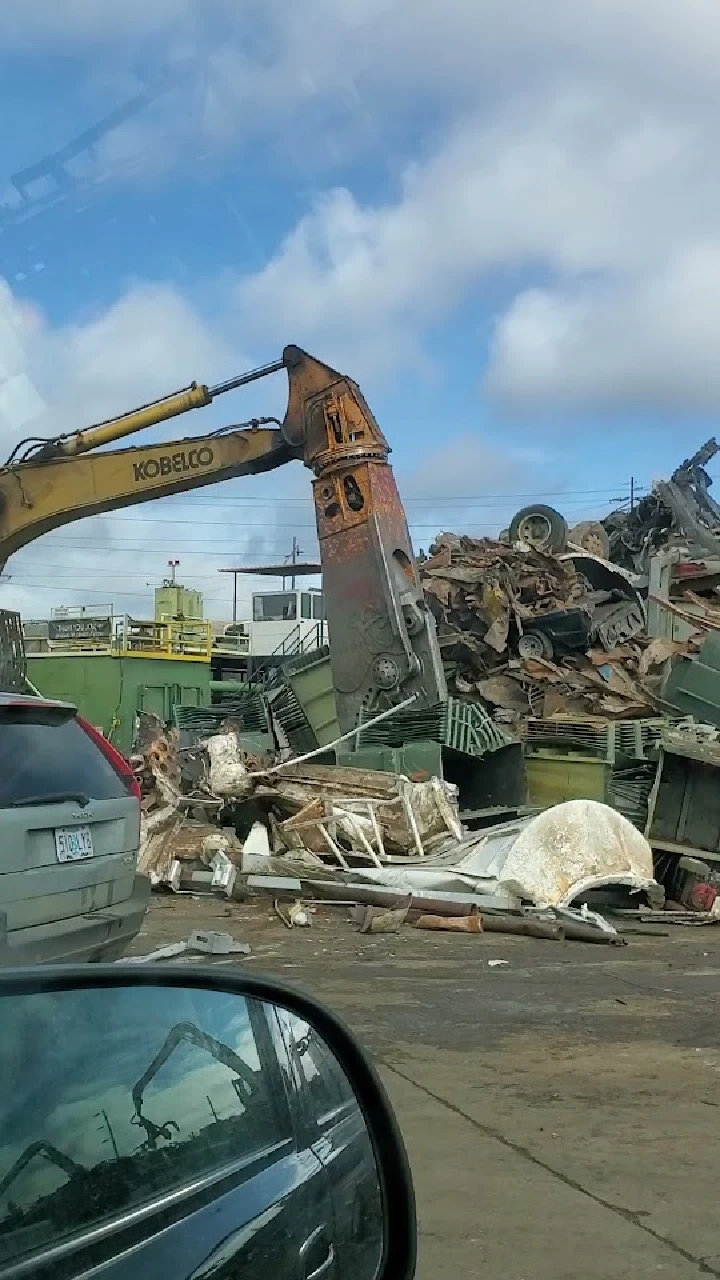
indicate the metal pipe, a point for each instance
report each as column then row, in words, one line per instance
column 196, row 396
column 242, row 379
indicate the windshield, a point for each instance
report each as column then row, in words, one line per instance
column 46, row 755
column 276, row 608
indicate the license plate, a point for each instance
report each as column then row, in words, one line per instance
column 72, row 843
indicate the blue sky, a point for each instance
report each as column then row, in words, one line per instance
column 503, row 228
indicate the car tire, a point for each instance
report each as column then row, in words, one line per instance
column 535, row 644
column 592, row 537
column 540, row 527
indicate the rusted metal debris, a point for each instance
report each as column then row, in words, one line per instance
column 380, row 919
column 679, row 510
column 471, row 923
column 199, row 831
column 181, row 844
column 319, row 832
column 678, row 513
column 527, row 634
column 367, row 815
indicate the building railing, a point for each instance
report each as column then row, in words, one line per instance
column 177, row 638
column 189, row 639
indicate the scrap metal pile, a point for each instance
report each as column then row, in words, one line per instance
column 301, row 833
column 529, row 634
column 677, row 510
column 678, row 514
column 205, row 801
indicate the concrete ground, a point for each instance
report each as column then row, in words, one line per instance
column 559, row 1111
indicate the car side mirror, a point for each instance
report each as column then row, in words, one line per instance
column 187, row 1123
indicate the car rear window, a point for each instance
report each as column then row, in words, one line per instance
column 45, row 753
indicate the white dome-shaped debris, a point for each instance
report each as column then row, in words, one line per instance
column 574, row 847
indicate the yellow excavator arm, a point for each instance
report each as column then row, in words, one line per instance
column 383, row 644
column 50, row 1153
column 49, row 483
column 37, row 496
column 189, row 1033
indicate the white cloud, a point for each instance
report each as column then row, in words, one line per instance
column 594, row 193
column 646, row 340
column 69, row 24
column 574, row 144
column 571, row 146
column 145, row 345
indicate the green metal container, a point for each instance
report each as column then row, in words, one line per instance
column 416, row 757
column 693, row 685
column 558, row 773
column 302, row 697
column 111, row 691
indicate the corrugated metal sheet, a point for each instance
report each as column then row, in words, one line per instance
column 289, row 714
column 249, row 708
column 460, row 726
column 629, row 790
column 608, row 740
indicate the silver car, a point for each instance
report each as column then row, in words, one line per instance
column 69, row 838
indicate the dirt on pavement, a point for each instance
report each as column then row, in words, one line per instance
column 559, row 1110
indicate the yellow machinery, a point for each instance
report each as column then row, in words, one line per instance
column 383, row 642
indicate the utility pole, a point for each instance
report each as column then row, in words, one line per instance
column 234, row 573
column 108, row 1126
column 172, row 565
column 632, row 493
column 294, row 559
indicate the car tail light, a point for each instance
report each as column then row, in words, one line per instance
column 113, row 756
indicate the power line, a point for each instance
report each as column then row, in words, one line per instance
column 572, row 497
column 453, row 498
column 535, row 495
column 223, row 524
column 485, row 505
column 117, row 547
column 66, row 576
column 121, row 548
column 106, row 592
column 210, row 551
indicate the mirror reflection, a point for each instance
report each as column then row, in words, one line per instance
column 229, row 1120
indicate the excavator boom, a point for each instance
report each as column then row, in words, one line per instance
column 37, row 496
column 383, row 644
column 69, row 1167
column 187, row 1032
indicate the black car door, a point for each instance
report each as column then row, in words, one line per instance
column 339, row 1137
column 218, row 1180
